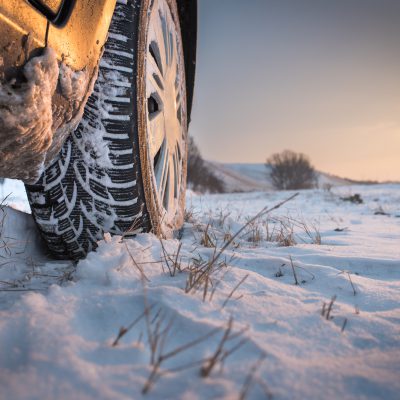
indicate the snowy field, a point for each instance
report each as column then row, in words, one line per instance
column 303, row 304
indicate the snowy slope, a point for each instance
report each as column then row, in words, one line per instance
column 250, row 332
column 237, row 179
column 253, row 177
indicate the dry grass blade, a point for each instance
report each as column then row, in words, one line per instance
column 327, row 309
column 234, row 290
column 3, row 202
column 306, row 270
column 220, row 354
column 265, row 388
column 212, row 361
column 140, row 269
column 296, row 282
column 134, row 229
column 236, row 347
column 123, row 331
column 166, row 257
column 352, row 285
column 200, row 275
column 216, row 285
column 173, row 262
column 4, row 240
column 206, row 240
column 184, row 367
column 312, row 231
column 157, row 337
column 250, row 377
column 344, row 325
column 176, row 265
column 188, row 345
column 157, row 341
column 350, row 280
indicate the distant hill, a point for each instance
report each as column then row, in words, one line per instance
column 239, row 177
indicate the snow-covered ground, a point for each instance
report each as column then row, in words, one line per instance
column 198, row 326
column 13, row 193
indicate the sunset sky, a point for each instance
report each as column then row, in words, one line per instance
column 316, row 76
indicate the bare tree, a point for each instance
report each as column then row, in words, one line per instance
column 200, row 177
column 290, row 170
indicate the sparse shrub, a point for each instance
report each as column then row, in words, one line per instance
column 199, row 176
column 355, row 198
column 291, row 171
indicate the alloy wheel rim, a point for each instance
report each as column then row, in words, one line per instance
column 165, row 118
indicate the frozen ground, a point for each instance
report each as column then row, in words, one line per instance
column 241, row 329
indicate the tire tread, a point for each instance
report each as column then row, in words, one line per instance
column 83, row 194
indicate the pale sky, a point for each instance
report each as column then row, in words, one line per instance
column 317, row 76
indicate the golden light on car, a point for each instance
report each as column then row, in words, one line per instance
column 86, row 30
column 54, row 5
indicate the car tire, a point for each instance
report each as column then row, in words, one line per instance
column 123, row 170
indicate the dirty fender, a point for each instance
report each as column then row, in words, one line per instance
column 47, row 72
column 33, row 124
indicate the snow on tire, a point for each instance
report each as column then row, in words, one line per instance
column 95, row 183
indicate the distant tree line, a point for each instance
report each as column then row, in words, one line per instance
column 200, row 178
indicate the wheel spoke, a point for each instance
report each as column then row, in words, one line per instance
column 159, row 36
column 157, row 139
column 155, row 35
column 174, row 188
column 176, row 175
column 160, row 164
column 155, row 85
column 172, row 57
column 165, row 35
column 155, row 58
column 164, row 182
column 174, row 54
